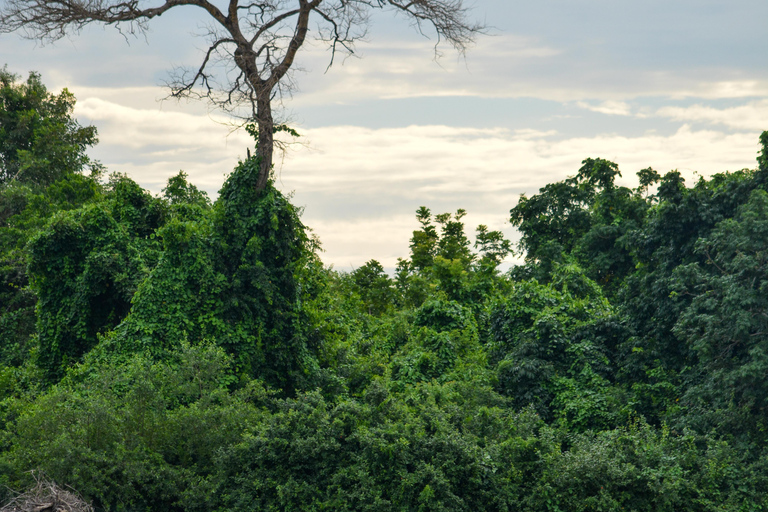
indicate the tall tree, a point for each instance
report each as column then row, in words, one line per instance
column 256, row 41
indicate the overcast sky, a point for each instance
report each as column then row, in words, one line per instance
column 673, row 84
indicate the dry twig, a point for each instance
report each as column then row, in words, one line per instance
column 46, row 496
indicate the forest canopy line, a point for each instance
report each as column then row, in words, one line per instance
column 172, row 353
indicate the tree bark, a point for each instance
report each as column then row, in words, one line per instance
column 265, row 145
column 264, row 87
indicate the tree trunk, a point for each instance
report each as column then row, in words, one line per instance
column 265, row 144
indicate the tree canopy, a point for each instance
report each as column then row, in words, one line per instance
column 171, row 353
column 40, row 140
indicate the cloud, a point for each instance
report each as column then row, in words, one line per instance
column 752, row 116
column 152, row 144
column 402, row 65
column 748, row 88
column 512, row 66
column 583, row 51
column 612, row 108
column 361, row 186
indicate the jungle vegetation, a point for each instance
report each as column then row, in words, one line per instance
column 172, row 353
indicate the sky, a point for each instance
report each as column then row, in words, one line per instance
column 672, row 84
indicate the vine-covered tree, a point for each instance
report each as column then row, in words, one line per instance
column 251, row 44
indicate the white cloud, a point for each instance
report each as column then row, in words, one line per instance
column 361, row 186
column 347, row 183
column 613, row 108
column 723, row 89
column 136, row 127
column 752, row 116
column 152, row 144
column 568, row 54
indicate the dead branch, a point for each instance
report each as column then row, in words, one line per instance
column 251, row 47
column 46, row 496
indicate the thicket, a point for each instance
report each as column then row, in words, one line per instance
column 170, row 353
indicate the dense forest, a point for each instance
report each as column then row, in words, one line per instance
column 172, row 353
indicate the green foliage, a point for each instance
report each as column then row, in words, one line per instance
column 253, row 130
column 762, row 159
column 492, row 245
column 442, row 261
column 547, row 354
column 374, row 287
column 444, row 340
column 135, row 434
column 644, row 469
column 41, row 150
column 654, row 357
column 232, row 276
column 85, row 266
column 725, row 322
column 170, row 354
column 417, row 453
column 24, row 211
column 586, row 217
column 559, row 213
column 180, row 193
column 424, row 241
column 40, row 141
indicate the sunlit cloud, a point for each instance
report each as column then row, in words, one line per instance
column 611, row 108
column 587, row 80
column 752, row 116
column 141, row 127
column 361, row 186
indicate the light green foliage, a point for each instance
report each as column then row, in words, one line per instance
column 185, row 199
column 442, row 261
column 231, row 275
column 453, row 243
column 492, row 245
column 424, row 241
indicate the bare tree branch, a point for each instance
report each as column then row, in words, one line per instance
column 449, row 18
column 251, row 48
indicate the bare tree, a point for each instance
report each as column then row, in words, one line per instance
column 256, row 41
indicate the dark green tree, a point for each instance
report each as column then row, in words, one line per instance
column 42, row 154
column 586, row 216
column 40, row 141
column 375, row 287
column 559, row 213
column 24, row 211
column 726, row 323
column 85, row 267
